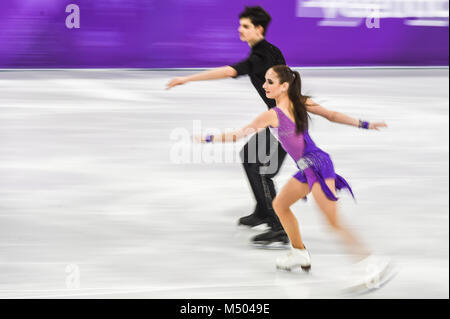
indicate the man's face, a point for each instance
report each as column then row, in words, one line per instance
column 248, row 32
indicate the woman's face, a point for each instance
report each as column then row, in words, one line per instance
column 273, row 87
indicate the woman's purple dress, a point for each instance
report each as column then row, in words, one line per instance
column 314, row 164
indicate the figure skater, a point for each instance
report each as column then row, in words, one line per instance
column 254, row 22
column 316, row 173
column 259, row 167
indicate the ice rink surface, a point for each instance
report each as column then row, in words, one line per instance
column 94, row 204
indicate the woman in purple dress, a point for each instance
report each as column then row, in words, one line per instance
column 316, row 175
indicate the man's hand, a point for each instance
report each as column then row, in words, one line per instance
column 175, row 82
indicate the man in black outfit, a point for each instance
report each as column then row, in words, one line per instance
column 262, row 156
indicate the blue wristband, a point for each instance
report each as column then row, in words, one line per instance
column 364, row 125
column 209, row 138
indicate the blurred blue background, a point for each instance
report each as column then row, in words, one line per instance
column 200, row 33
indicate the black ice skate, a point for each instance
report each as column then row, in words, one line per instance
column 255, row 222
column 272, row 239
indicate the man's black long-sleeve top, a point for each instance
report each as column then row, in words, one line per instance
column 263, row 56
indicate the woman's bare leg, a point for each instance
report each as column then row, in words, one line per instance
column 291, row 192
column 329, row 208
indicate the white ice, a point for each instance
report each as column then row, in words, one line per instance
column 92, row 205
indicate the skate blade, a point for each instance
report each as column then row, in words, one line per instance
column 305, row 269
column 261, row 227
column 272, row 246
column 375, row 283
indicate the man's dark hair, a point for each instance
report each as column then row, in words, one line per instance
column 258, row 16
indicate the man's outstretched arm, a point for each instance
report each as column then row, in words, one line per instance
column 214, row 74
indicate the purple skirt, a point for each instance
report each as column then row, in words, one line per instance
column 317, row 166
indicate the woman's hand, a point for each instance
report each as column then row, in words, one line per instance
column 377, row 125
column 199, row 139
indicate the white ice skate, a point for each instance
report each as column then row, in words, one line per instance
column 369, row 274
column 294, row 259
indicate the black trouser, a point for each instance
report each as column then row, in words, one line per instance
column 262, row 158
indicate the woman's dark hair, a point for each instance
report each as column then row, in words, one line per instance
column 258, row 16
column 285, row 74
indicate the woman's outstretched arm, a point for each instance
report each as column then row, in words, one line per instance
column 261, row 122
column 338, row 117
